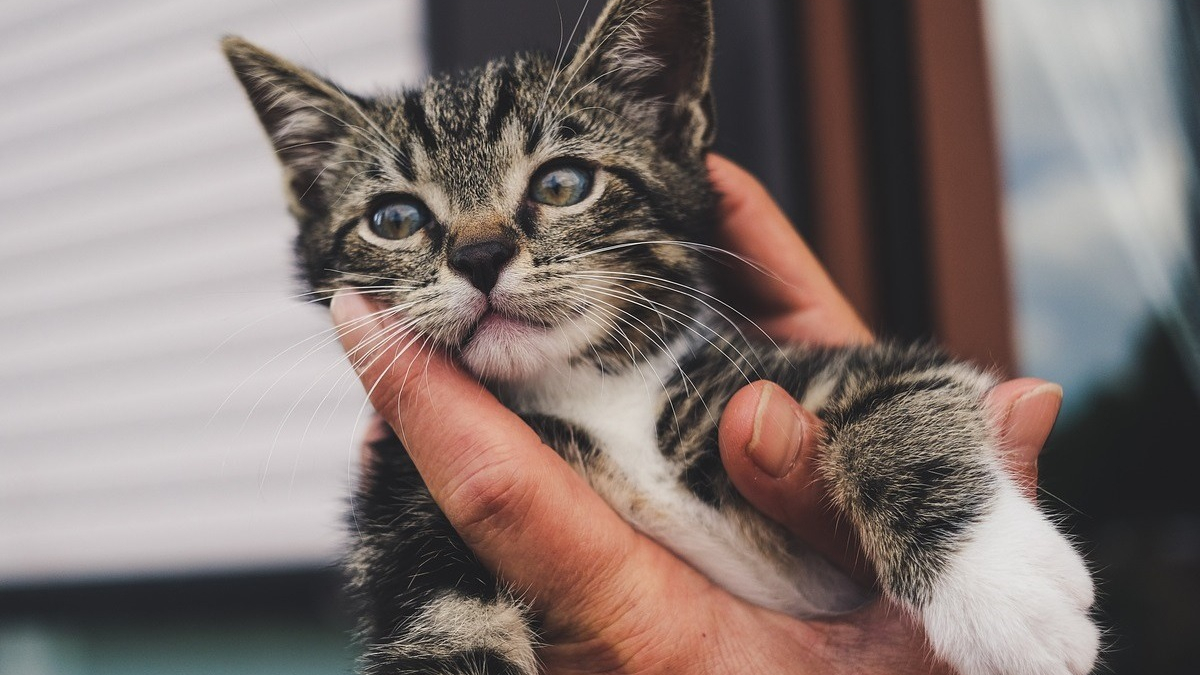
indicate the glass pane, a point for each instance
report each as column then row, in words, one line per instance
column 1097, row 135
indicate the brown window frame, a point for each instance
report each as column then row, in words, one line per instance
column 906, row 168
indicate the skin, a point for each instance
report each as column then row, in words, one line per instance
column 614, row 601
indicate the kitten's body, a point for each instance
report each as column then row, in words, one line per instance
column 588, row 311
column 654, row 429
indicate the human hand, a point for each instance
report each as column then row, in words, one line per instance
column 768, row 441
column 609, row 597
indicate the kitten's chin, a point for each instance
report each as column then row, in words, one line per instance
column 504, row 350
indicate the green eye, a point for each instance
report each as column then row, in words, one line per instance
column 400, row 218
column 561, row 185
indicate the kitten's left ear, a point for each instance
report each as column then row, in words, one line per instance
column 660, row 51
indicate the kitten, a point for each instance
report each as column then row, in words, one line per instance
column 548, row 222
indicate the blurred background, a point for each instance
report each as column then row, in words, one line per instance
column 1015, row 178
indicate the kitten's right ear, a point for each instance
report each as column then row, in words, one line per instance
column 303, row 114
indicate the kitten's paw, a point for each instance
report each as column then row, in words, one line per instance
column 459, row 635
column 1015, row 600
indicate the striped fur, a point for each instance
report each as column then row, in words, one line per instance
column 601, row 329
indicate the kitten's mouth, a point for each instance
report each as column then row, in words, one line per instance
column 493, row 324
column 507, row 347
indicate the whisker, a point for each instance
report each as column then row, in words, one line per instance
column 675, row 286
column 355, row 433
column 382, row 135
column 349, row 183
column 758, row 267
column 601, row 108
column 358, row 148
column 651, row 336
column 653, row 305
column 320, row 336
column 329, row 165
column 380, row 341
column 558, row 120
column 583, row 311
column 354, row 357
column 630, row 297
column 595, row 49
column 375, row 385
column 324, row 338
column 560, row 54
column 328, row 294
column 632, row 347
column 299, row 399
column 658, row 340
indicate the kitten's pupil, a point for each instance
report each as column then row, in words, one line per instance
column 400, row 218
column 563, row 185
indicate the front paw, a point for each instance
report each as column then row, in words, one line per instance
column 1015, row 599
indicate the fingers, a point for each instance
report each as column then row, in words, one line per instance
column 797, row 300
column 769, row 446
column 514, row 501
column 1024, row 411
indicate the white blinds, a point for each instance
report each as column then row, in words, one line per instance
column 145, row 274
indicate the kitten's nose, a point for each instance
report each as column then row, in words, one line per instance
column 482, row 262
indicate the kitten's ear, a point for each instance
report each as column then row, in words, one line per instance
column 661, row 51
column 304, row 114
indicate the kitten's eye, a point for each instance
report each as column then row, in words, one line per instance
column 561, row 185
column 400, row 218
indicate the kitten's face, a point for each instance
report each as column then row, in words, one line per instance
column 522, row 215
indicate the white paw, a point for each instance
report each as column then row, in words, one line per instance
column 1015, row 600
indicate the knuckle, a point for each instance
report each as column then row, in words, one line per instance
column 490, row 496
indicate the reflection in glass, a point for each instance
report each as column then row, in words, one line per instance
column 1099, row 144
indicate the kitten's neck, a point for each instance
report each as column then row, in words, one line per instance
column 642, row 380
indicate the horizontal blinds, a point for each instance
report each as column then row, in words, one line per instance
column 166, row 405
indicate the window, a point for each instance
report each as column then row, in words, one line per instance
column 147, row 277
column 147, row 264
column 1098, row 117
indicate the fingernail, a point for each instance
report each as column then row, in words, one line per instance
column 1042, row 399
column 345, row 307
column 1038, row 407
column 774, row 446
column 354, row 322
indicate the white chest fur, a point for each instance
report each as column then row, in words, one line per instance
column 620, row 413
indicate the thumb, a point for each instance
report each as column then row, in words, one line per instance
column 1024, row 411
column 514, row 501
column 769, row 445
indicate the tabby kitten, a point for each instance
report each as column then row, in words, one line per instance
column 548, row 221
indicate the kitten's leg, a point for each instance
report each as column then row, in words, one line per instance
column 911, row 460
column 429, row 606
